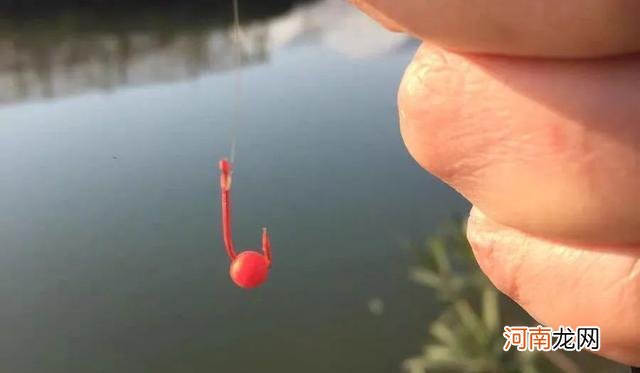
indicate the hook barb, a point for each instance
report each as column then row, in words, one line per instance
column 266, row 245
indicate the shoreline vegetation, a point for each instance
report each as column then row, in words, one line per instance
column 467, row 334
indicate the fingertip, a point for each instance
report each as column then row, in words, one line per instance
column 565, row 284
column 493, row 128
column 376, row 15
column 522, row 28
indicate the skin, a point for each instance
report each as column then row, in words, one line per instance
column 548, row 28
column 546, row 147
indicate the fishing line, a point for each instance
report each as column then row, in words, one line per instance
column 237, row 80
column 248, row 269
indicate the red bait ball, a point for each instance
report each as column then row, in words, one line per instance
column 249, row 269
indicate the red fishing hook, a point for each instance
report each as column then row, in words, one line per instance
column 249, row 269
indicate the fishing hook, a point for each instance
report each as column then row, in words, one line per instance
column 249, row 269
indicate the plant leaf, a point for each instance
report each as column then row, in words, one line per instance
column 490, row 309
column 444, row 334
column 425, row 277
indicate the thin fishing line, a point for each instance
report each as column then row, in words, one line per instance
column 237, row 77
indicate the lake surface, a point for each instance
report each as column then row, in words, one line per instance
column 111, row 257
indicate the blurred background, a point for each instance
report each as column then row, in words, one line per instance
column 113, row 115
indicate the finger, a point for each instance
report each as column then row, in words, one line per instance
column 376, row 15
column 549, row 147
column 569, row 28
column 565, row 285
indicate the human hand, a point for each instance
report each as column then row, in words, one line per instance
column 547, row 149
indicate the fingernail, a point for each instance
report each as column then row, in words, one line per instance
column 372, row 12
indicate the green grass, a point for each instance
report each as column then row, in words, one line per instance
column 467, row 335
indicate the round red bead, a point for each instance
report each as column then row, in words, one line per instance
column 249, row 269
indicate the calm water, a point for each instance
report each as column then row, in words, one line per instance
column 111, row 258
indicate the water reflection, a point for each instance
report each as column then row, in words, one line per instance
column 110, row 252
column 66, row 55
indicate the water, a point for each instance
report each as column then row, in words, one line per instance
column 111, row 258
